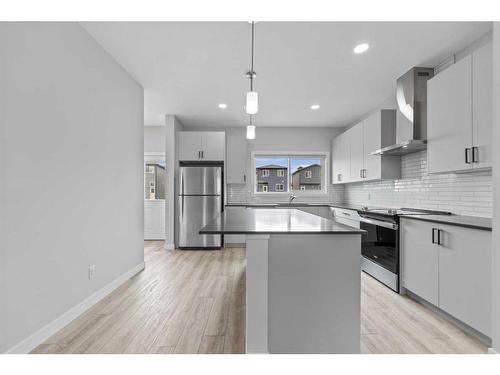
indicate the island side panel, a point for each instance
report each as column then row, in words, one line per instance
column 314, row 293
column 256, row 294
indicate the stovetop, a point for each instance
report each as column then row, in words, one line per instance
column 401, row 211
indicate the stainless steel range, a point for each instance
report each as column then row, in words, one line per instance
column 380, row 246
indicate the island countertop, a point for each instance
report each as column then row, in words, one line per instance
column 272, row 221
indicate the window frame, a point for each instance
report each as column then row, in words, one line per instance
column 280, row 173
column 324, row 157
column 265, row 173
column 308, row 174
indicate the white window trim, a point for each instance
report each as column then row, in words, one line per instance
column 279, row 184
column 264, row 188
column 325, row 159
column 266, row 174
column 308, row 174
column 280, row 173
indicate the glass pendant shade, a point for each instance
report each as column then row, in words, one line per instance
column 252, row 106
column 250, row 131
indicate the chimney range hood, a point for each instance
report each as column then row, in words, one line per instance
column 411, row 123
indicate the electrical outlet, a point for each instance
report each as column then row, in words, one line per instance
column 91, row 271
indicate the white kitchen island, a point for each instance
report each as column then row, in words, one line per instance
column 302, row 280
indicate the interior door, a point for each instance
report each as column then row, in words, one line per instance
column 482, row 108
column 356, row 151
column 371, row 142
column 449, row 118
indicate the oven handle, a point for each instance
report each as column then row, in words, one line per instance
column 379, row 223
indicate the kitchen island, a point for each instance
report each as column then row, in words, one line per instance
column 302, row 280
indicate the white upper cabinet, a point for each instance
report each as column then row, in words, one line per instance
column 351, row 151
column 341, row 167
column 202, row 146
column 449, row 118
column 189, row 145
column 236, row 163
column 459, row 115
column 213, row 146
column 482, row 106
column 355, row 135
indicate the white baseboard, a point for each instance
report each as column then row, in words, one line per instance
column 492, row 351
column 169, row 246
column 31, row 342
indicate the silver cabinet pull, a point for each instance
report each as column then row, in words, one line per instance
column 361, row 173
column 244, row 178
column 434, row 235
column 475, row 154
column 468, row 156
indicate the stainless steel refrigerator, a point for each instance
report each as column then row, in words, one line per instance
column 199, row 201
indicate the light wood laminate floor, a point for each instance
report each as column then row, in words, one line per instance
column 194, row 302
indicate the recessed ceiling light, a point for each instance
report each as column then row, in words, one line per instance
column 222, row 105
column 360, row 48
column 315, row 107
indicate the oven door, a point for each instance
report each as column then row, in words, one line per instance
column 380, row 243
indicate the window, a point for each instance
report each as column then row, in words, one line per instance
column 154, row 180
column 290, row 172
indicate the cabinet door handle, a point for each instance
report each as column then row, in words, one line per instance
column 361, row 173
column 467, row 156
column 244, row 178
column 339, row 177
column 439, row 237
column 199, row 154
column 434, row 235
column 364, row 173
column 202, row 156
column 475, row 156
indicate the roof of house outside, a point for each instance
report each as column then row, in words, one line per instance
column 272, row 166
column 299, row 169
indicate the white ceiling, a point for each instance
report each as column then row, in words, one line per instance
column 186, row 68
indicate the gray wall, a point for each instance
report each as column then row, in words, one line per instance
column 154, row 138
column 66, row 105
column 496, row 189
column 173, row 126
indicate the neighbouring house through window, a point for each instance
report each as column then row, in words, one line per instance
column 290, row 173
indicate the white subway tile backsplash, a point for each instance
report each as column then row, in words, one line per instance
column 461, row 193
column 238, row 193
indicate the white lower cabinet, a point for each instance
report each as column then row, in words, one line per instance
column 419, row 259
column 449, row 266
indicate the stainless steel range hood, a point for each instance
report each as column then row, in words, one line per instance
column 411, row 123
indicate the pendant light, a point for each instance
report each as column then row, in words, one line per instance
column 252, row 98
column 252, row 106
column 251, row 129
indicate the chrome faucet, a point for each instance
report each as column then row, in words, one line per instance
column 292, row 197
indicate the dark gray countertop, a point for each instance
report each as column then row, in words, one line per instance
column 297, row 204
column 272, row 221
column 458, row 220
